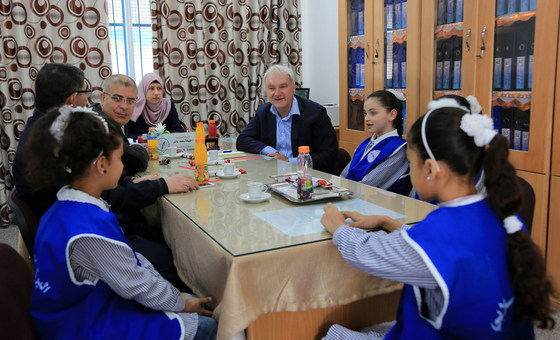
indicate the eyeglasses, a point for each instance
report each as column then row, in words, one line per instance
column 118, row 99
column 86, row 92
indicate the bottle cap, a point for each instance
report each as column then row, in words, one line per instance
column 303, row 149
column 199, row 124
column 212, row 121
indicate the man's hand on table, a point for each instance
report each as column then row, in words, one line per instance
column 278, row 155
column 180, row 183
column 195, row 305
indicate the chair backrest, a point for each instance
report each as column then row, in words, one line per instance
column 342, row 159
column 16, row 289
column 527, row 208
column 303, row 92
column 27, row 219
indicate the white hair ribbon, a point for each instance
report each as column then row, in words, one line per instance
column 474, row 104
column 512, row 224
column 398, row 95
column 478, row 126
column 59, row 124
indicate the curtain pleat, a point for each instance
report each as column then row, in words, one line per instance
column 32, row 34
column 212, row 55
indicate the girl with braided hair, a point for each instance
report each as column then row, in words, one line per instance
column 470, row 268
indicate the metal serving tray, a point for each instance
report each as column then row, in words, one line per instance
column 289, row 191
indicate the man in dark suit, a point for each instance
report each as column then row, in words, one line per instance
column 56, row 85
column 287, row 122
column 117, row 101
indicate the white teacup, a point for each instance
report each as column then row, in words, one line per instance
column 256, row 189
column 213, row 155
column 229, row 168
column 172, row 150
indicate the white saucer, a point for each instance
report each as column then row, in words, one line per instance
column 246, row 198
column 214, row 162
column 235, row 174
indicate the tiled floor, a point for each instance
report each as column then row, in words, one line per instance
column 10, row 235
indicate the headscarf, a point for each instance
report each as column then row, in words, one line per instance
column 152, row 113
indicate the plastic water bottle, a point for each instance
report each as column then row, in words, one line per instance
column 305, row 176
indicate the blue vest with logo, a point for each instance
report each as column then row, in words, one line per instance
column 465, row 247
column 361, row 166
column 63, row 308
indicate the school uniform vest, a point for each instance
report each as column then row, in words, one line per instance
column 465, row 248
column 63, row 308
column 361, row 166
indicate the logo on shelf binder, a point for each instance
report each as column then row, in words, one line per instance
column 372, row 155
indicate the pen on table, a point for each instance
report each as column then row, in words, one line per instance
column 226, row 151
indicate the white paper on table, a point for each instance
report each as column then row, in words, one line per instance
column 306, row 219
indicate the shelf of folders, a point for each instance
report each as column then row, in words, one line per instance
column 356, row 60
column 395, row 58
column 449, row 11
column 513, row 52
column 511, row 115
column 449, row 56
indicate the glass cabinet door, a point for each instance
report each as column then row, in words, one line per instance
column 512, row 80
column 448, row 35
column 356, row 64
column 395, row 53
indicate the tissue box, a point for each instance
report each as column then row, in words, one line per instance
column 333, row 113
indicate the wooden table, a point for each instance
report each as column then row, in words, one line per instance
column 263, row 279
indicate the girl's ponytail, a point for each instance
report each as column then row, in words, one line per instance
column 504, row 196
column 526, row 266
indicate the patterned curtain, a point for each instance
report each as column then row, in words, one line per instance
column 212, row 55
column 34, row 33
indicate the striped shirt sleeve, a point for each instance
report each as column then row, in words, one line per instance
column 383, row 254
column 93, row 257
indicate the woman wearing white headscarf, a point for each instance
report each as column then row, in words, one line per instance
column 151, row 108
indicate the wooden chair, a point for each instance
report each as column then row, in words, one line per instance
column 27, row 219
column 16, row 289
column 527, row 208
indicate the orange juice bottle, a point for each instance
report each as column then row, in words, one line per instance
column 153, row 151
column 199, row 132
column 200, row 160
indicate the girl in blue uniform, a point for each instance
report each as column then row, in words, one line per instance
column 89, row 283
column 380, row 161
column 470, row 269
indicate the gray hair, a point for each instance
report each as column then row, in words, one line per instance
column 121, row 79
column 283, row 69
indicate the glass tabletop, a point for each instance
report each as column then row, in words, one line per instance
column 243, row 227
